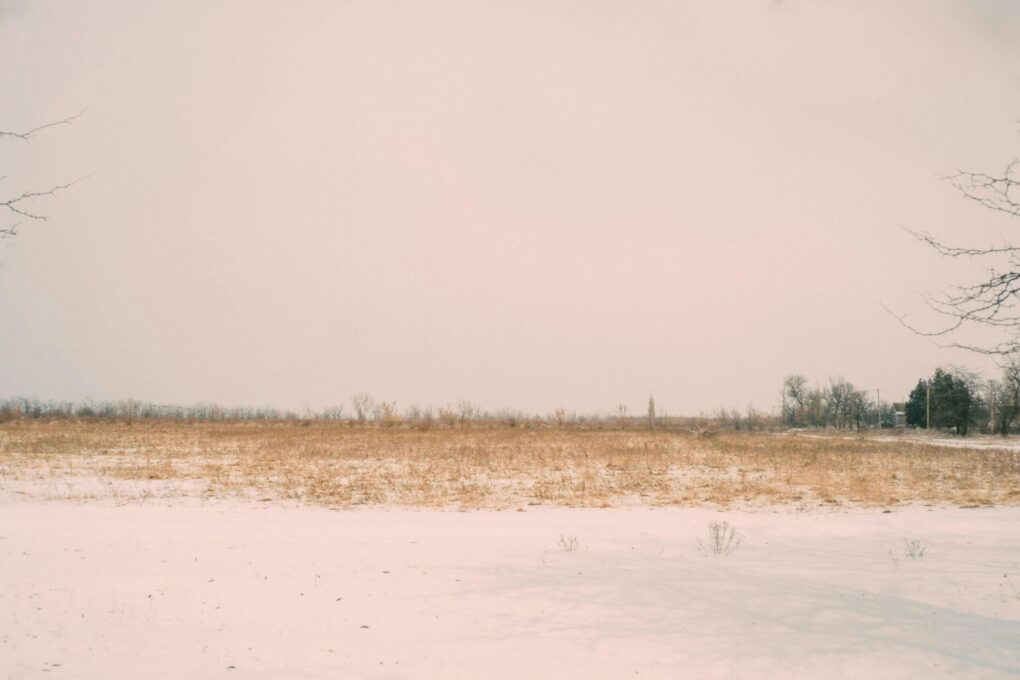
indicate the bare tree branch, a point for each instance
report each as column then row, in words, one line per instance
column 956, row 251
column 995, row 193
column 994, row 301
column 12, row 204
column 25, row 136
column 18, row 206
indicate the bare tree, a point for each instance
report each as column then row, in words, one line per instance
column 845, row 405
column 363, row 404
column 447, row 416
column 466, row 411
column 857, row 408
column 20, row 207
column 993, row 300
column 795, row 392
column 837, row 401
column 385, row 412
column 1004, row 397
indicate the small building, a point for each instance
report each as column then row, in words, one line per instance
column 899, row 414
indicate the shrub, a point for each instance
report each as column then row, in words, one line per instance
column 568, row 543
column 722, row 539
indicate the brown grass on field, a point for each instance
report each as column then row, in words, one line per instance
column 337, row 466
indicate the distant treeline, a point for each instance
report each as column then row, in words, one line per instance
column 130, row 409
column 951, row 399
column 369, row 412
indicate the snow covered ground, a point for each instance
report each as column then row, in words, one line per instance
column 969, row 442
column 972, row 441
column 235, row 590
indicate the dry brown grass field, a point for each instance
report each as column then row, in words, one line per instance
column 338, row 465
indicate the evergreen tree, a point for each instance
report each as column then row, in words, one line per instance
column 915, row 410
column 953, row 402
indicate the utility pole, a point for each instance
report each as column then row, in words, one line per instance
column 927, row 405
column 878, row 406
column 991, row 409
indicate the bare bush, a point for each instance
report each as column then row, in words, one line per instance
column 915, row 548
column 363, row 404
column 447, row 416
column 386, row 413
column 621, row 415
column 722, row 539
column 569, row 543
column 467, row 411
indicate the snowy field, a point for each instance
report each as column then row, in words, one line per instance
column 258, row 590
column 973, row 441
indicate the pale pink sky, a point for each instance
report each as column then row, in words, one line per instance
column 525, row 204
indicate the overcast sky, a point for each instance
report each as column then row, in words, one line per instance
column 524, row 204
